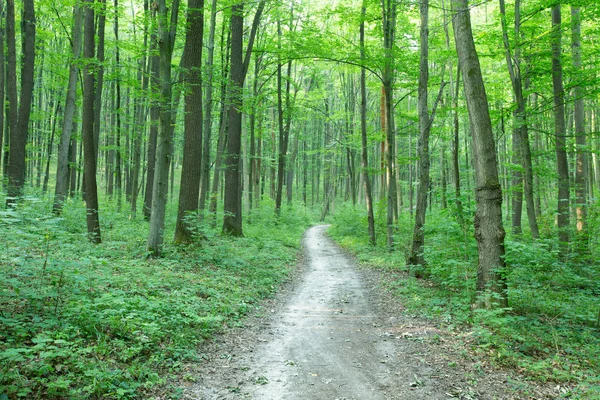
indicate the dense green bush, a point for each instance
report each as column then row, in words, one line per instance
column 102, row 321
column 552, row 329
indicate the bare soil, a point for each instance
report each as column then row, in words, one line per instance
column 333, row 333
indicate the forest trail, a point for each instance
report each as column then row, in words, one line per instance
column 335, row 337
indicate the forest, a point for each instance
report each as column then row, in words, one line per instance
column 161, row 160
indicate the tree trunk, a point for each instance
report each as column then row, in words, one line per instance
column 99, row 84
column 389, row 33
column 164, row 147
column 49, row 148
column 489, row 231
column 232, row 221
column 207, row 131
column 18, row 136
column 192, row 148
column 520, row 116
column 416, row 258
column 156, row 64
column 581, row 161
column 62, row 167
column 117, row 173
column 363, row 131
column 562, row 164
column 91, row 190
column 138, row 127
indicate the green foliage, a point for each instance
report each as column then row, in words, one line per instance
column 552, row 330
column 84, row 321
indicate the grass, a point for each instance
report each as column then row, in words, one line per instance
column 551, row 331
column 103, row 321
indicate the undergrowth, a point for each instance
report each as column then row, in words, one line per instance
column 551, row 331
column 103, row 321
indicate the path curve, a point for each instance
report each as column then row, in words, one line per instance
column 329, row 340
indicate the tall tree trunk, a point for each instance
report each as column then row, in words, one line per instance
column 117, row 174
column 416, row 258
column 99, row 84
column 192, row 148
column 62, row 167
column 581, row 163
column 363, row 131
column 138, row 127
column 91, row 190
column 232, row 221
column 517, row 178
column 389, row 34
column 207, row 131
column 521, row 129
column 156, row 64
column 562, row 164
column 49, row 148
column 489, row 231
column 18, row 136
column 164, row 148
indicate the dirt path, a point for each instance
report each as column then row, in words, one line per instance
column 335, row 337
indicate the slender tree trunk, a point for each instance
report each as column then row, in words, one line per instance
column 416, row 258
column 489, row 231
column 521, row 132
column 562, row 163
column 156, row 64
column 232, row 221
column 12, row 105
column 139, row 124
column 18, row 136
column 363, row 132
column 192, row 148
column 99, row 84
column 207, row 131
column 581, row 161
column 389, row 34
column 223, row 116
column 118, row 159
column 62, row 167
column 49, row 149
column 164, row 148
column 91, row 190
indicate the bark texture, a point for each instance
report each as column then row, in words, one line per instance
column 489, row 231
column 232, row 221
column 192, row 148
column 89, row 149
column 62, row 167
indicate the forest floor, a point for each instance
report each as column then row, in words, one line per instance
column 334, row 333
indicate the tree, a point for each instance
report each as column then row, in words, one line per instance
column 167, row 28
column 232, row 221
column 489, row 231
column 579, row 117
column 62, row 168
column 521, row 136
column 389, row 9
column 562, row 165
column 91, row 189
column 192, row 149
column 20, row 126
column 363, row 130
column 416, row 257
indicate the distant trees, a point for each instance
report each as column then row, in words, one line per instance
column 290, row 129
